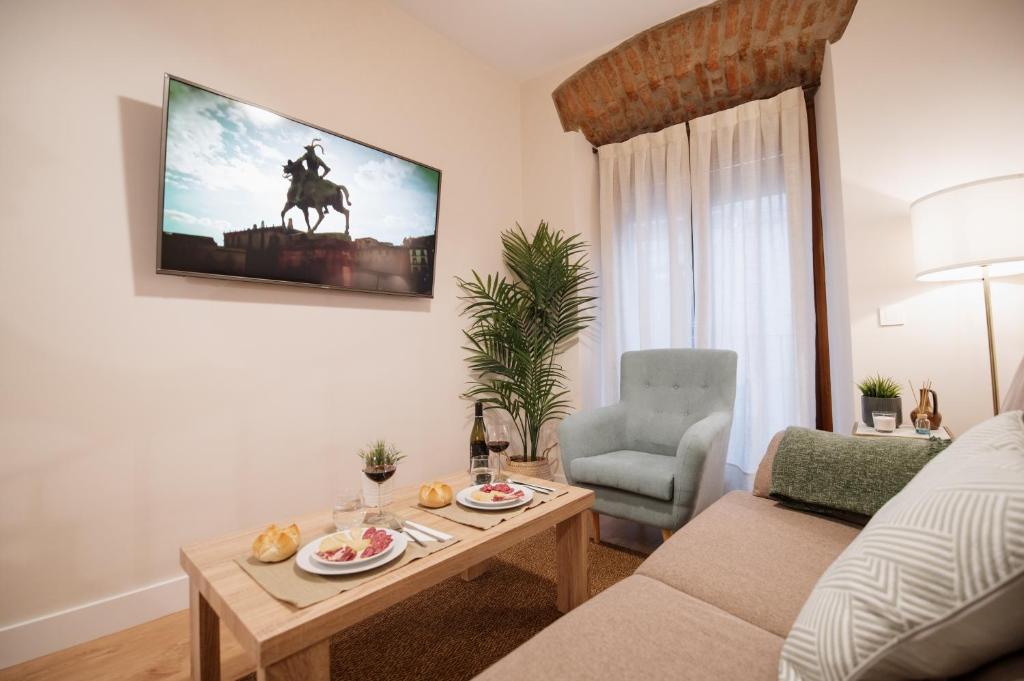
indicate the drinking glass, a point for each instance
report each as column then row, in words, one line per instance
column 497, row 442
column 379, row 475
column 480, row 470
column 348, row 507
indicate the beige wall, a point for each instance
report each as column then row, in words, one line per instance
column 139, row 412
column 560, row 186
column 927, row 94
column 834, row 240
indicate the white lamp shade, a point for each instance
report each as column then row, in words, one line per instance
column 959, row 230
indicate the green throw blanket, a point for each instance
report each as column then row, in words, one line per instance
column 845, row 476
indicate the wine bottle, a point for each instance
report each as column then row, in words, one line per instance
column 478, row 436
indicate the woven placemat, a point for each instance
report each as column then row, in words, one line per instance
column 287, row 582
column 488, row 519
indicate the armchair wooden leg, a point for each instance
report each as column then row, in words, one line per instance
column 595, row 527
column 665, row 534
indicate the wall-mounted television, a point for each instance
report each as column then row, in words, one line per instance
column 250, row 194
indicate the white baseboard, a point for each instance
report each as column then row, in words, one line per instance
column 47, row 634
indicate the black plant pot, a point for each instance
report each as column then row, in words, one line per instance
column 872, row 404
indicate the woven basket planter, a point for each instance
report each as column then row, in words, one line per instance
column 541, row 468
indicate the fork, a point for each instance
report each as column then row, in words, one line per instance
column 399, row 526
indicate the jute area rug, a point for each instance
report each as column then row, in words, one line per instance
column 455, row 630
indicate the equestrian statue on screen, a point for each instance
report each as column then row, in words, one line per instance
column 309, row 189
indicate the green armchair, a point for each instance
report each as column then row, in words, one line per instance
column 658, row 456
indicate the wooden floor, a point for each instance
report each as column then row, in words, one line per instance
column 150, row 651
column 159, row 650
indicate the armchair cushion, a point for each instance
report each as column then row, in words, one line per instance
column 651, row 475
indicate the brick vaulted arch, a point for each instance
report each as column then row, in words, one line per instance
column 707, row 60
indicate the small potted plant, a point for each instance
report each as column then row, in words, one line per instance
column 880, row 393
column 380, row 461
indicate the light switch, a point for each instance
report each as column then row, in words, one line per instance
column 891, row 315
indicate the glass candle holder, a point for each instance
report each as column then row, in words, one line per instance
column 885, row 421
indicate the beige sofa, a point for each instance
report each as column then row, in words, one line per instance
column 716, row 601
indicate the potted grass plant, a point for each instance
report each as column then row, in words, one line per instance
column 519, row 325
column 380, row 463
column 880, row 393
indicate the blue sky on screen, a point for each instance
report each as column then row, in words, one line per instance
column 223, row 172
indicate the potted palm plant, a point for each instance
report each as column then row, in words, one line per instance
column 880, row 393
column 519, row 325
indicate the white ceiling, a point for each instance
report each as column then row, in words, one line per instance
column 525, row 38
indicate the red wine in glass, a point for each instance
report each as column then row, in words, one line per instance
column 497, row 442
column 380, row 475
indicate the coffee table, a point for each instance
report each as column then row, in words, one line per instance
column 288, row 643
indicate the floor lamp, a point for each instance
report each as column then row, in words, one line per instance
column 972, row 231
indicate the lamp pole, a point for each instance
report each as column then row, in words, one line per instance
column 991, row 339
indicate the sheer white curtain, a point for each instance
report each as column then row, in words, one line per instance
column 646, row 261
column 751, row 188
column 737, row 275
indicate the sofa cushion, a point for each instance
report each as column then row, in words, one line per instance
column 651, row 475
column 643, row 629
column 763, row 477
column 751, row 557
column 1006, row 668
column 934, row 585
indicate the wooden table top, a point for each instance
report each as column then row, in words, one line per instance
column 271, row 629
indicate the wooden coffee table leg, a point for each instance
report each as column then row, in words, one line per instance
column 571, row 553
column 475, row 571
column 205, row 631
column 311, row 664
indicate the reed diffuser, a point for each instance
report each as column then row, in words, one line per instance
column 927, row 410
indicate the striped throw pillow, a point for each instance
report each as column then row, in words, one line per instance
column 934, row 584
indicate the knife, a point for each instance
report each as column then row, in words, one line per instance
column 538, row 488
column 429, row 531
column 412, row 536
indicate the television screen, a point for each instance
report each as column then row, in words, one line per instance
column 247, row 193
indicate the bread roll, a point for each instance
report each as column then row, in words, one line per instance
column 276, row 544
column 435, row 494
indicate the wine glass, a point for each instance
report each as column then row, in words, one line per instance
column 379, row 474
column 497, row 442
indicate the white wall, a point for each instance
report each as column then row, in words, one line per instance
column 560, row 186
column 927, row 94
column 834, row 244
column 139, row 412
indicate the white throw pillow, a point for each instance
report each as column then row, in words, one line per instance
column 934, row 584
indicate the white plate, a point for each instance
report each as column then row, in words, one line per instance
column 305, row 561
column 463, row 498
column 354, row 534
